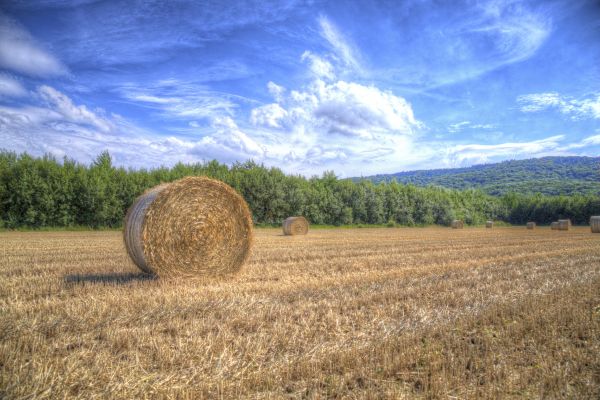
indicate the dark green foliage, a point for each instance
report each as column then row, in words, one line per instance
column 548, row 175
column 41, row 192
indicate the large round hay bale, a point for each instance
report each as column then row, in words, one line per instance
column 595, row 224
column 458, row 224
column 531, row 225
column 564, row 224
column 489, row 224
column 295, row 226
column 193, row 226
column 554, row 226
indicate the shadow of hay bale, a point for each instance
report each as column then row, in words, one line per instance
column 115, row 278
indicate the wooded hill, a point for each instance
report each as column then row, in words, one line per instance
column 547, row 175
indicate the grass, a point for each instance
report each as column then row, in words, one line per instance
column 339, row 313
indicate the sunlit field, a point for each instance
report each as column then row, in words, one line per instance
column 347, row 313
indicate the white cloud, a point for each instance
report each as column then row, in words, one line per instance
column 591, row 140
column 457, row 127
column 276, row 91
column 181, row 99
column 20, row 52
column 481, row 153
column 268, row 115
column 11, row 87
column 305, row 128
column 588, row 107
column 341, row 47
column 320, row 67
column 63, row 105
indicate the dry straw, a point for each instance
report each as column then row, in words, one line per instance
column 531, row 225
column 564, row 224
column 595, row 224
column 489, row 224
column 193, row 226
column 457, row 224
column 295, row 226
column 554, row 226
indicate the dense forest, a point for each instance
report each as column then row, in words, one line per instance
column 547, row 175
column 40, row 192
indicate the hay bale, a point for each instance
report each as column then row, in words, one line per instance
column 531, row 225
column 564, row 224
column 193, row 226
column 458, row 224
column 489, row 224
column 554, row 226
column 595, row 224
column 295, row 226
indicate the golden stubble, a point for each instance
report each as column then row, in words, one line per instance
column 348, row 313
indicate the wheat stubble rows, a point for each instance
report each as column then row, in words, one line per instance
column 349, row 313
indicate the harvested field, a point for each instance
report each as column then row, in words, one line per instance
column 356, row 313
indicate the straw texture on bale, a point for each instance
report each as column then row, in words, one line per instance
column 295, row 226
column 531, row 225
column 193, row 226
column 554, row 226
column 564, row 224
column 457, row 224
column 595, row 224
column 489, row 224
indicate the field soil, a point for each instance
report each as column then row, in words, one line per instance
column 342, row 313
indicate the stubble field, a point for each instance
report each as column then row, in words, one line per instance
column 346, row 313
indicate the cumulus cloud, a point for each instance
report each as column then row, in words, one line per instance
column 11, row 87
column 269, row 115
column 340, row 108
column 21, row 53
column 576, row 108
column 320, row 67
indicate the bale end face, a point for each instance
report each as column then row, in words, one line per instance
column 295, row 226
column 595, row 224
column 554, row 226
column 193, row 226
column 489, row 224
column 531, row 225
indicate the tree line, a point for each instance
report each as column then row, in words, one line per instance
column 45, row 192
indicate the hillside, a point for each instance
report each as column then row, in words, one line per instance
column 547, row 175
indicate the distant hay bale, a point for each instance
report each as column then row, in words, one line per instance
column 489, row 224
column 193, row 226
column 531, row 225
column 295, row 226
column 554, row 226
column 564, row 224
column 595, row 224
column 458, row 224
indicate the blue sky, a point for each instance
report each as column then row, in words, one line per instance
column 356, row 87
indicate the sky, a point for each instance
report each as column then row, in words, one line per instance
column 354, row 87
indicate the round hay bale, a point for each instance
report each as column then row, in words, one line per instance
column 489, row 224
column 554, row 226
column 531, row 225
column 564, row 224
column 193, row 226
column 595, row 224
column 295, row 226
column 458, row 224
